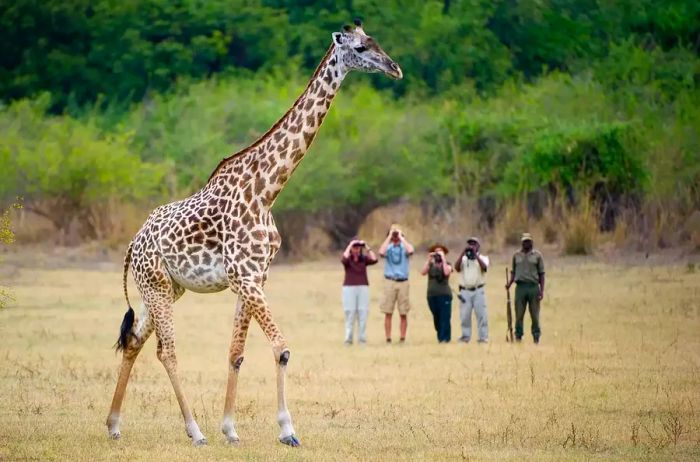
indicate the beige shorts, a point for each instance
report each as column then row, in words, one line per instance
column 395, row 295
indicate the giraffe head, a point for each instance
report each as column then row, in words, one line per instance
column 357, row 50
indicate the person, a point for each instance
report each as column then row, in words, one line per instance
column 438, row 270
column 473, row 266
column 356, row 288
column 528, row 273
column 396, row 251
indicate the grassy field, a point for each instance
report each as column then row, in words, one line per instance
column 617, row 375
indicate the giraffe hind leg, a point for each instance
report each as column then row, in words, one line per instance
column 130, row 343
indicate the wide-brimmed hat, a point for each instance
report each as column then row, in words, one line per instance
column 473, row 238
column 436, row 246
column 526, row 237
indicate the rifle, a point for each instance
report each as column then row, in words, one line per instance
column 509, row 314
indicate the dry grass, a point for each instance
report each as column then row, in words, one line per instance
column 512, row 222
column 616, row 377
column 580, row 230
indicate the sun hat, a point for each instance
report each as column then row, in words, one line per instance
column 526, row 237
column 436, row 246
column 475, row 239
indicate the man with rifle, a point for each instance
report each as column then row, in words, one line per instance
column 528, row 273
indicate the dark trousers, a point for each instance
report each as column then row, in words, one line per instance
column 441, row 307
column 526, row 295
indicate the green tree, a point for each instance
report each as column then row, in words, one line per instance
column 66, row 170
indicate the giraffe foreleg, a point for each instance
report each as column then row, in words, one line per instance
column 254, row 299
column 240, row 330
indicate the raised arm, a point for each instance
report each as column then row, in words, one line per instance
column 426, row 265
column 371, row 256
column 384, row 246
column 407, row 245
column 458, row 262
column 346, row 252
column 483, row 262
column 446, row 268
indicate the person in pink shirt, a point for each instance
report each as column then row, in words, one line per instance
column 356, row 258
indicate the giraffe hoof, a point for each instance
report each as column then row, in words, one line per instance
column 202, row 442
column 233, row 441
column 115, row 435
column 291, row 440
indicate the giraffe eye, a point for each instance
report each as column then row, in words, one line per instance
column 360, row 49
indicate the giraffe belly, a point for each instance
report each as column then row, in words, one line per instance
column 200, row 278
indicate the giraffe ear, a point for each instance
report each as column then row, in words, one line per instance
column 338, row 38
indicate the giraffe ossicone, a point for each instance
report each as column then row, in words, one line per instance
column 224, row 236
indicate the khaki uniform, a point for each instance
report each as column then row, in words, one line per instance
column 527, row 268
column 473, row 298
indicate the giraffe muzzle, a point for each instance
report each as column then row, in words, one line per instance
column 394, row 71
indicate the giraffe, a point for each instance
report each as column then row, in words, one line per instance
column 224, row 236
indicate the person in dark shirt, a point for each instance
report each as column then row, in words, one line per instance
column 356, row 288
column 439, row 293
column 527, row 271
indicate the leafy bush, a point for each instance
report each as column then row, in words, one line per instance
column 616, row 123
column 67, row 170
column 575, row 157
column 6, row 237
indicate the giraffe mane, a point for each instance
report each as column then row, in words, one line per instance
column 257, row 142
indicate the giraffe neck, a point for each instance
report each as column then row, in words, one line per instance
column 269, row 162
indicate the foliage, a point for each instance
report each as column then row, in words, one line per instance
column 79, row 50
column 503, row 101
column 577, row 157
column 7, row 236
column 66, row 169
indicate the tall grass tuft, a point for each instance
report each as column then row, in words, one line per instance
column 581, row 232
column 513, row 222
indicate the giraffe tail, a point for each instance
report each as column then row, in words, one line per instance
column 128, row 321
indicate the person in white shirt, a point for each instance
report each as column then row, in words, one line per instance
column 473, row 266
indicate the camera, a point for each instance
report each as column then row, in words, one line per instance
column 395, row 234
column 470, row 253
column 437, row 258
